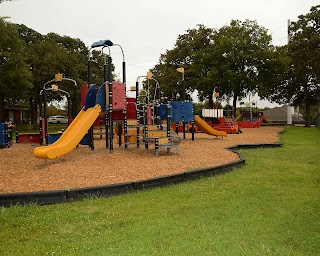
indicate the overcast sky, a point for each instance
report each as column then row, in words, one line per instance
column 146, row 28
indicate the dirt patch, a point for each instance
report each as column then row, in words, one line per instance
column 20, row 171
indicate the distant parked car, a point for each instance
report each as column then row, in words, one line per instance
column 58, row 120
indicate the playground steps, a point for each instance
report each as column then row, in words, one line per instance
column 166, row 145
column 133, row 123
column 99, row 132
column 132, row 128
column 160, row 139
column 130, row 139
column 150, row 134
column 231, row 125
column 156, row 134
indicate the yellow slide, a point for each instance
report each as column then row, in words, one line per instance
column 203, row 126
column 72, row 135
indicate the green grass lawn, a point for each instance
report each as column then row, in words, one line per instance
column 271, row 206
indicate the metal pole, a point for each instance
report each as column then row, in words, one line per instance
column 157, row 107
column 184, row 89
column 90, row 132
column 192, row 124
column 110, row 104
column 124, row 72
column 89, row 67
column 184, row 99
column 107, row 70
column 68, row 99
column 104, row 68
column 40, row 119
column 138, row 112
column 125, row 122
column 45, row 117
column 168, row 110
column 75, row 102
column 289, row 30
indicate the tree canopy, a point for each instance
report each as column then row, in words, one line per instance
column 237, row 60
column 240, row 56
column 234, row 57
column 15, row 74
column 185, row 54
column 298, row 82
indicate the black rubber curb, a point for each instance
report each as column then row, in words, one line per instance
column 161, row 181
column 61, row 196
column 105, row 191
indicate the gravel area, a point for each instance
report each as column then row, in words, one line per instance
column 20, row 171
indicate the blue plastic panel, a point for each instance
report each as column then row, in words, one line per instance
column 101, row 97
column 53, row 137
column 182, row 111
column 90, row 97
column 2, row 134
column 163, row 111
column 102, row 43
column 85, row 140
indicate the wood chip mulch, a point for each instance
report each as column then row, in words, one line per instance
column 20, row 171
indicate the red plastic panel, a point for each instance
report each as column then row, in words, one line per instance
column 83, row 92
column 119, row 96
column 29, row 138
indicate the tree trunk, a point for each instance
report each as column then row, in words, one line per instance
column 234, row 105
column 30, row 119
column 2, row 107
column 210, row 101
column 33, row 113
column 308, row 111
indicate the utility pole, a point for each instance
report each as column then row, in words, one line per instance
column 297, row 110
column 289, row 30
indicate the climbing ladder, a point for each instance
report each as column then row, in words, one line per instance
column 161, row 139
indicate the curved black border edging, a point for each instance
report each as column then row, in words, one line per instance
column 60, row 196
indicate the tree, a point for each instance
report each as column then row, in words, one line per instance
column 296, row 77
column 14, row 72
column 188, row 53
column 276, row 75
column 303, row 48
column 51, row 54
column 239, row 57
column 76, row 54
column 5, row 1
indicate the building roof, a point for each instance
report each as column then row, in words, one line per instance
column 280, row 114
column 14, row 107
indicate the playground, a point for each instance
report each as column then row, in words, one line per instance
column 77, row 158
column 22, row 172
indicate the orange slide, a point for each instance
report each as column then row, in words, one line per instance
column 71, row 136
column 203, row 126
